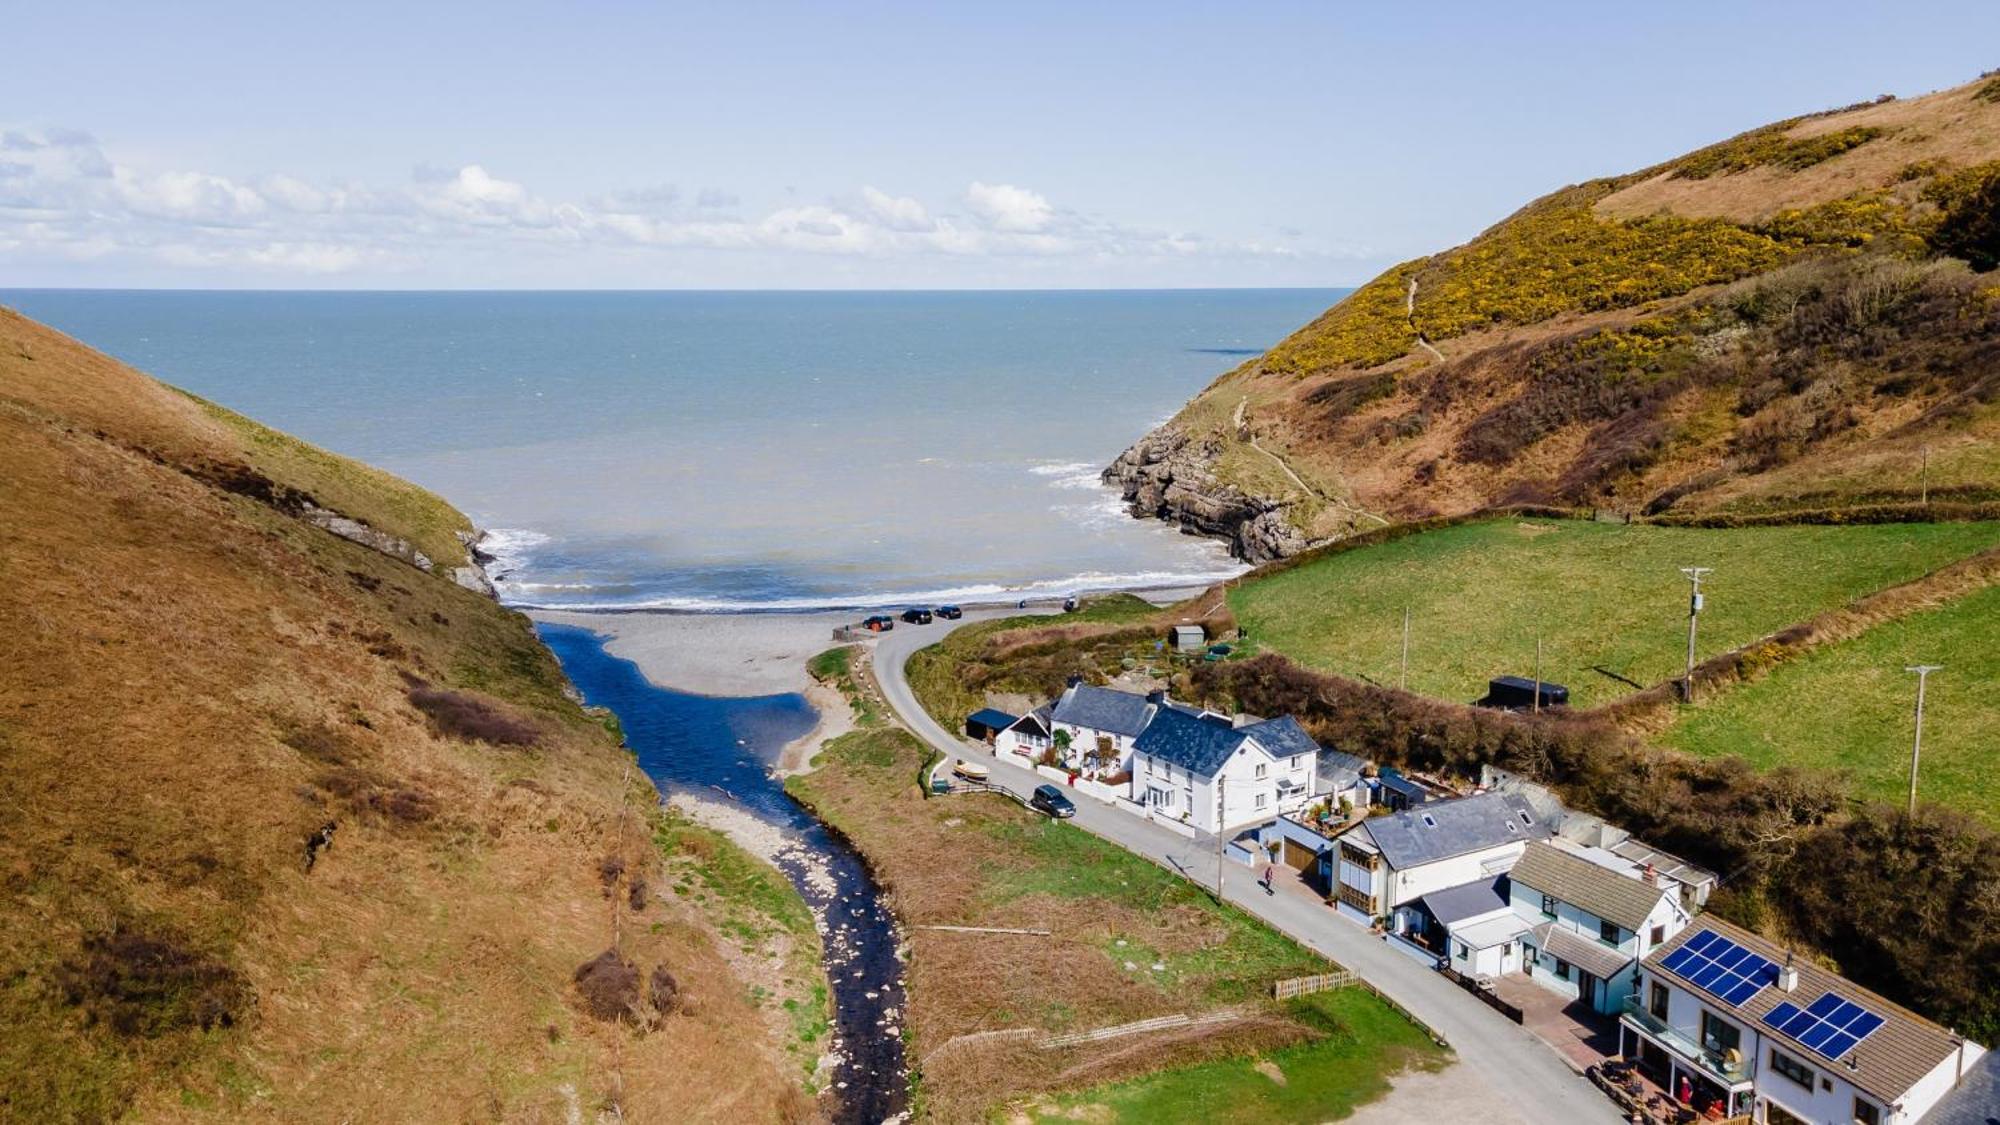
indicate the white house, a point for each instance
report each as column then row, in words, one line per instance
column 1389, row 862
column 1028, row 736
column 1197, row 768
column 1590, row 919
column 1721, row 1015
column 1103, row 721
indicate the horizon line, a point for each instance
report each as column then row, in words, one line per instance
column 683, row 289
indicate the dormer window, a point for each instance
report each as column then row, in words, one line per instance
column 1429, row 822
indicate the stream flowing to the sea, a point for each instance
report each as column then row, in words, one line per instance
column 719, row 748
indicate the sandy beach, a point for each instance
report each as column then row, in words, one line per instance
column 714, row 653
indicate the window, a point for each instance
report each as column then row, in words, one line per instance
column 1866, row 1113
column 1659, row 1001
column 1260, row 769
column 1260, row 800
column 1659, row 934
column 1608, row 932
column 1775, row 1114
column 1718, row 1034
column 1463, row 951
column 1562, row 969
column 1791, row 1068
column 1294, row 763
column 1549, row 905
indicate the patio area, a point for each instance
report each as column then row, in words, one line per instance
column 1585, row 1037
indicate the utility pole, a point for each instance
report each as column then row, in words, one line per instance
column 1924, row 478
column 1403, row 678
column 1221, row 804
column 1923, row 672
column 1694, row 576
column 1538, row 674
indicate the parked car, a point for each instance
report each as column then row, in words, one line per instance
column 880, row 623
column 917, row 615
column 971, row 771
column 950, row 612
column 1050, row 800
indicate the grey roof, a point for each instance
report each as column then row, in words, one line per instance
column 1592, row 956
column 1038, row 719
column 1610, row 895
column 1442, row 829
column 1468, row 900
column 1195, row 745
column 1336, row 770
column 1976, row 1101
column 1118, row 712
column 1282, row 736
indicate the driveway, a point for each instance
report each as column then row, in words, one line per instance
column 1518, row 1075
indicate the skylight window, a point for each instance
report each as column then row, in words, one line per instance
column 1429, row 822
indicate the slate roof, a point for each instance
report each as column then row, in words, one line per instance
column 1038, row 719
column 1283, row 737
column 1976, row 1100
column 1196, row 745
column 1468, row 900
column 1589, row 954
column 1118, row 712
column 1588, row 886
column 1897, row 1056
column 1441, row 829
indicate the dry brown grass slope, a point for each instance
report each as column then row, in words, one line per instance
column 1776, row 321
column 193, row 681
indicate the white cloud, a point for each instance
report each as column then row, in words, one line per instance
column 896, row 213
column 1006, row 207
column 63, row 198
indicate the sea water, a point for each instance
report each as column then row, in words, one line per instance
column 690, row 450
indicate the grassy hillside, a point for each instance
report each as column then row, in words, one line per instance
column 196, row 679
column 1599, row 595
column 1848, row 706
column 1787, row 319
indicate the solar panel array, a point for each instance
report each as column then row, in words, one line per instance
column 1721, row 968
column 1831, row 1026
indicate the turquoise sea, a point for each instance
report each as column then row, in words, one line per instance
column 691, row 450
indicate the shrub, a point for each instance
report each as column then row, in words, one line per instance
column 1970, row 228
column 1769, row 145
column 146, row 983
column 609, row 987
column 663, row 992
column 458, row 714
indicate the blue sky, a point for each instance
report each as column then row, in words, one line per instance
column 758, row 145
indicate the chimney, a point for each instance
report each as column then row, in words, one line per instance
column 1075, row 681
column 1788, row 977
column 1156, row 697
column 1651, row 876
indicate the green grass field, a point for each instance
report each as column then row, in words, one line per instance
column 1598, row 594
column 1363, row 1044
column 1848, row 705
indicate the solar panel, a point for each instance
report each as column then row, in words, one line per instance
column 1830, row 1026
column 1720, row 967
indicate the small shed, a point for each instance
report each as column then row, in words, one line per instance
column 1396, row 792
column 1517, row 693
column 986, row 724
column 1188, row 638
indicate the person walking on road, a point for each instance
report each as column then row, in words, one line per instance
column 1265, row 882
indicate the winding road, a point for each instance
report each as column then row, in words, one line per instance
column 1503, row 1073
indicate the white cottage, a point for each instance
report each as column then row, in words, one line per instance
column 1100, row 724
column 1390, row 862
column 1197, row 768
column 1589, row 921
column 1723, row 1018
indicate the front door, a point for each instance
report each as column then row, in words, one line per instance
column 1586, row 988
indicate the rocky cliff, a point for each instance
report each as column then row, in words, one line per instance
column 1796, row 317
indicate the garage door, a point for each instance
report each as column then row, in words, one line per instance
column 1300, row 858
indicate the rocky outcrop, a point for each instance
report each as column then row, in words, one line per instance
column 1169, row 476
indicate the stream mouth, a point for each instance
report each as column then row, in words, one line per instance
column 718, row 749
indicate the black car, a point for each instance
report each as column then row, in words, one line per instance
column 917, row 615
column 1050, row 800
column 880, row 623
column 950, row 612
